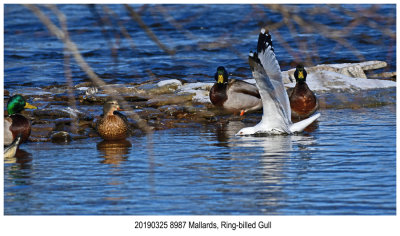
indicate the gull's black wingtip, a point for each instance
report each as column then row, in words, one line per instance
column 264, row 40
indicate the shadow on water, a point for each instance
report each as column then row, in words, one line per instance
column 114, row 152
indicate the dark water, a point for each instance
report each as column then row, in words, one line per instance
column 203, row 37
column 347, row 165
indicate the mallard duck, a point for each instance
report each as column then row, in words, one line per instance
column 302, row 100
column 112, row 125
column 276, row 117
column 16, row 124
column 233, row 95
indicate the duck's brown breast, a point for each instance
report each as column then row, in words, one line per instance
column 20, row 125
column 218, row 95
column 112, row 127
column 303, row 101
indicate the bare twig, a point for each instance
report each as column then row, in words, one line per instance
column 136, row 17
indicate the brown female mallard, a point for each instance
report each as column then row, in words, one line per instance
column 112, row 125
column 303, row 101
column 16, row 124
column 234, row 95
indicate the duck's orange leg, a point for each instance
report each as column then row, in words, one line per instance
column 241, row 112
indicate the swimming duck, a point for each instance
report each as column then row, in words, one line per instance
column 302, row 100
column 16, row 124
column 112, row 125
column 276, row 117
column 234, row 95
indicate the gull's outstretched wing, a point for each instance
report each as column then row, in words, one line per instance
column 268, row 60
column 266, row 72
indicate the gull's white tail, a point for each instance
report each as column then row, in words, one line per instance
column 301, row 125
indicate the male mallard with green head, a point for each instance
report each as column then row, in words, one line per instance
column 234, row 95
column 303, row 101
column 16, row 124
column 112, row 125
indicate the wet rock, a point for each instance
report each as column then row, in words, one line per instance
column 42, row 131
column 83, row 84
column 200, row 112
column 120, row 88
column 65, row 97
column 6, row 93
column 163, row 100
column 172, row 110
column 55, row 112
column 166, row 89
column 61, row 123
column 384, row 75
column 134, row 97
column 149, row 113
column 97, row 99
column 61, row 137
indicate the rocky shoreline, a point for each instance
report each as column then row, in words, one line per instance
column 176, row 103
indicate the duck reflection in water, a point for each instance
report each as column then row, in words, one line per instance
column 21, row 156
column 114, row 151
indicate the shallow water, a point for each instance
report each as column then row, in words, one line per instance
column 203, row 36
column 345, row 164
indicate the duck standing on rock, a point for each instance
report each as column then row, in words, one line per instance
column 15, row 124
column 303, row 101
column 112, row 125
column 234, row 95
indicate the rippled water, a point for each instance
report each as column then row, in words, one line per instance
column 346, row 164
column 203, row 36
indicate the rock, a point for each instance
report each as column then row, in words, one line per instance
column 83, row 84
column 149, row 113
column 134, row 98
column 372, row 65
column 169, row 82
column 42, row 130
column 384, row 75
column 97, row 99
column 171, row 110
column 163, row 100
column 61, row 137
column 166, row 89
column 55, row 112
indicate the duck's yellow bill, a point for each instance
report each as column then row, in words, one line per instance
column 301, row 75
column 220, row 79
column 29, row 106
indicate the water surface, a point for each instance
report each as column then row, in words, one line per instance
column 346, row 164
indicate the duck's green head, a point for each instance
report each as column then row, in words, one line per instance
column 300, row 74
column 16, row 104
column 221, row 76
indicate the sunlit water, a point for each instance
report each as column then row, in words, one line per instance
column 345, row 165
column 203, row 36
